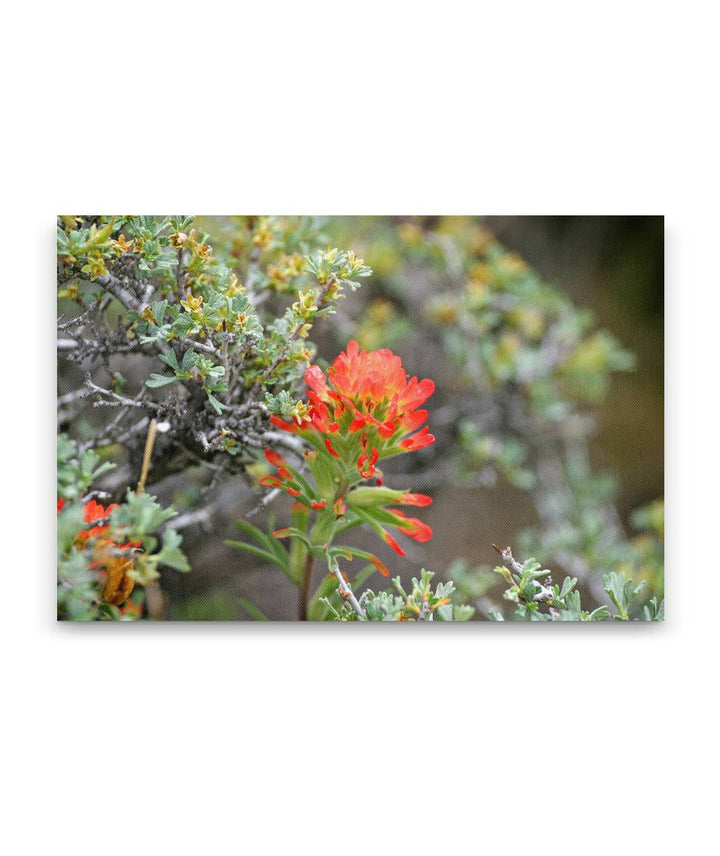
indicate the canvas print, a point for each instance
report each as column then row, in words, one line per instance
column 325, row 418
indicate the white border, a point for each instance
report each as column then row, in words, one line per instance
column 194, row 739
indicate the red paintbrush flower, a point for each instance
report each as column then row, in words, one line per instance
column 367, row 393
column 364, row 409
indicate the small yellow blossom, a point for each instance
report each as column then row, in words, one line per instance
column 263, row 235
column 122, row 245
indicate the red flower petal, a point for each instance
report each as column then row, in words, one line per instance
column 329, row 446
column 388, row 538
column 286, row 426
column 315, row 379
column 282, row 533
column 411, row 526
column 272, row 457
column 93, row 511
column 418, row 441
column 422, row 532
column 368, row 471
column 270, row 481
column 387, row 429
column 380, row 566
column 419, row 499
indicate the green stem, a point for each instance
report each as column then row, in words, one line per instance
column 305, row 589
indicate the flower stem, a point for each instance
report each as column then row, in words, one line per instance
column 305, row 589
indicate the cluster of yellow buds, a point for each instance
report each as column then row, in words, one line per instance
column 263, row 235
column 480, row 272
column 300, row 412
column 70, row 222
column 529, row 321
column 234, row 286
column 477, row 293
column 202, row 251
column 286, row 267
column 410, row 233
column 72, row 292
column 476, row 239
column 442, row 309
column 193, row 305
column 354, row 261
column 95, row 265
column 512, row 264
column 180, row 240
column 480, row 239
column 324, row 272
column 305, row 306
column 121, row 245
column 380, row 311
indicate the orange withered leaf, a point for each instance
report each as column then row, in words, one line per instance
column 118, row 584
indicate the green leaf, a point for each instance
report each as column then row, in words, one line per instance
column 66, row 448
column 568, row 585
column 256, row 551
column 320, row 605
column 171, row 554
column 140, row 514
column 653, row 612
column 602, row 613
column 573, row 612
column 252, row 610
column 463, row 612
column 621, row 591
column 270, row 550
column 158, row 309
column 272, row 545
column 217, row 405
column 156, row 380
column 530, row 566
column 189, row 359
column 170, row 359
column 444, row 612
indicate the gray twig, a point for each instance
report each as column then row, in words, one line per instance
column 264, row 501
column 346, row 593
column 118, row 289
column 118, row 400
column 510, row 562
column 69, row 397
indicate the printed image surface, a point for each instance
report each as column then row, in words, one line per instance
column 360, row 418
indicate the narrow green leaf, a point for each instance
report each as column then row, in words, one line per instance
column 252, row 610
